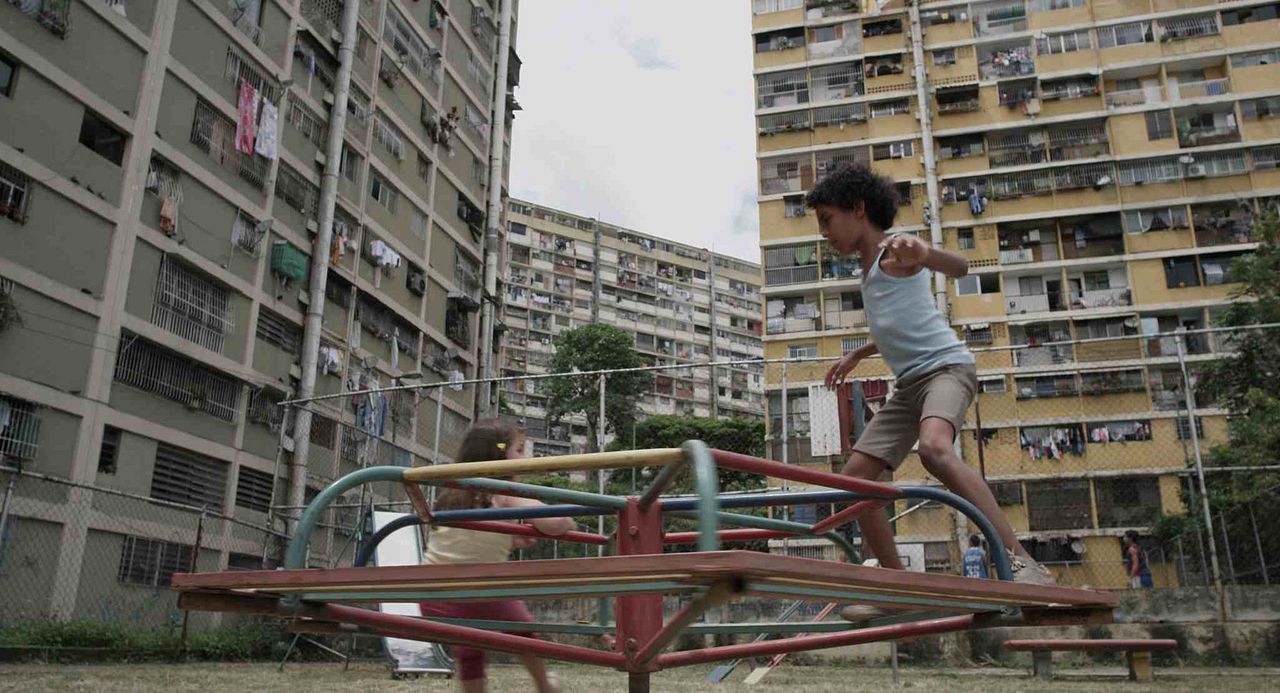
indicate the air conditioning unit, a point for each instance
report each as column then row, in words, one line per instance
column 1196, row 171
column 417, row 283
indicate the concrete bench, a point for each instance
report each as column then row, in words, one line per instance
column 1137, row 652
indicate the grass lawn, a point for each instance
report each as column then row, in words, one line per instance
column 366, row 676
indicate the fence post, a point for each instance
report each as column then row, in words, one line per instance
column 1257, row 542
column 435, row 444
column 1190, row 397
column 8, row 493
column 600, row 474
column 1226, row 546
column 786, row 444
column 195, row 558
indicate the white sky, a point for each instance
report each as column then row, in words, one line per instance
column 641, row 113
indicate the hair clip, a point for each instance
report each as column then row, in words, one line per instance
column 502, row 446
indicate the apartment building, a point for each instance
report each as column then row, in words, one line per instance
column 684, row 305
column 1099, row 162
column 160, row 177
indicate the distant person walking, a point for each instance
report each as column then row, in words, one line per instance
column 1135, row 562
column 975, row 559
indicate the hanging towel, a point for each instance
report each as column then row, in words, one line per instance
column 118, row 6
column 169, row 215
column 268, row 139
column 247, row 115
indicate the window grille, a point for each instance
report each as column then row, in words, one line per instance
column 1067, row 42
column 386, row 135
column 297, row 192
column 1128, row 501
column 831, row 82
column 188, row 478
column 849, row 344
column 253, row 490
column 784, row 122
column 151, row 563
column 357, row 112
column 1256, row 58
column 324, row 15
column 786, row 175
column 1149, row 171
column 275, row 330
column 1179, row 28
column 1265, row 158
column 781, row 89
column 768, row 6
column 19, row 429
column 1124, row 34
column 311, row 126
column 215, row 135
column 239, row 68
column 1083, row 176
column 1059, row 505
column 1021, row 184
column 191, row 305
column 1223, row 163
column 247, row 233
column 15, row 191
column 417, row 55
column 835, row 116
column 164, row 179
column 152, row 368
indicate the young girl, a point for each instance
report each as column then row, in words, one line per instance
column 486, row 440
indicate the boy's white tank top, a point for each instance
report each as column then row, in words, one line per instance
column 448, row 545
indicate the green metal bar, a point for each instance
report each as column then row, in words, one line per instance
column 664, row 587
column 659, row 483
column 296, row 555
column 707, row 483
column 876, row 597
column 516, row 626
column 547, row 494
column 797, row 528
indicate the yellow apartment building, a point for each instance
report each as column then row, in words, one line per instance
column 1099, row 162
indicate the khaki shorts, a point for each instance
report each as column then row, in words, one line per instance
column 945, row 393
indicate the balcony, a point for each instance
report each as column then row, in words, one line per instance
column 995, row 19
column 1199, row 89
column 1047, row 386
column 1135, row 97
column 1096, row 237
column 1222, row 224
column 1034, row 303
column 1113, row 382
column 790, row 265
column 962, row 100
column 1101, row 298
column 1007, row 61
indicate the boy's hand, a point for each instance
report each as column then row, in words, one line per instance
column 841, row 369
column 906, row 253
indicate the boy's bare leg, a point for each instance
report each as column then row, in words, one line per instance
column 876, row 533
column 939, row 457
column 542, row 680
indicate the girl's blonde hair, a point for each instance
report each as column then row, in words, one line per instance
column 487, row 439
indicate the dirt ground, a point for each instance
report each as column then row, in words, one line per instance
column 314, row 678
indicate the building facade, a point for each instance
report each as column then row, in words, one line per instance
column 1099, row 163
column 684, row 305
column 160, row 176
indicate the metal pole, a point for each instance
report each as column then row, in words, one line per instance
column 600, row 474
column 893, row 663
column 1226, row 547
column 1190, row 398
column 493, row 215
column 786, row 443
column 319, row 277
column 1257, row 542
column 982, row 442
column 191, row 568
column 715, row 352
column 932, row 218
column 4, row 509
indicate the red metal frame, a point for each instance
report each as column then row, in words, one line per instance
column 754, row 465
column 520, row 530
column 638, row 617
column 845, row 516
column 727, row 535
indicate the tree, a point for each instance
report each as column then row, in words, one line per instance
column 591, row 348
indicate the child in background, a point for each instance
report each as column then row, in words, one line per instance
column 486, row 440
column 975, row 559
column 935, row 371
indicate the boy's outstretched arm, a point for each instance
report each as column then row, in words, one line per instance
column 910, row 253
column 948, row 262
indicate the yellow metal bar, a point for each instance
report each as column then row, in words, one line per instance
column 624, row 459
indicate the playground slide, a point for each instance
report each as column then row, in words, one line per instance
column 411, row 657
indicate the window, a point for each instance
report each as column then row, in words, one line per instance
column 152, row 368
column 993, row 385
column 1068, row 42
column 1180, row 272
column 385, row 134
column 312, row 126
column 1009, row 492
column 1050, row 5
column 802, row 351
column 1184, row 430
column 1119, row 431
column 892, row 150
column 1256, row 109
column 794, row 207
column 253, row 490
column 1250, row 14
column 849, row 344
column 188, row 478
column 109, row 452
column 275, row 330
column 1124, row 34
column 15, row 188
column 1030, row 286
column 1128, row 502
column 151, row 563
column 350, row 164
column 20, row 429
column 191, row 305
column 768, row 6
column 1217, row 268
column 1097, row 281
column 1256, row 58
column 102, row 137
column 974, row 284
column 424, row 168
column 884, row 109
column 297, row 192
column 1149, row 171
column 1059, row 505
column 978, row 335
column 1159, row 125
column 382, row 192
column 964, row 237
column 8, row 71
column 851, row 300
column 944, row 56
column 418, row 223
column 1156, row 219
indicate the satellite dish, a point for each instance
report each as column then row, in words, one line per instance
column 1077, row 545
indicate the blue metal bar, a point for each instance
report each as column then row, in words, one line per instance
column 707, row 482
column 760, row 500
column 296, row 555
column 1001, row 558
column 543, row 493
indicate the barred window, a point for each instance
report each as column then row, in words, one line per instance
column 1256, row 109
column 893, row 150
column 152, row 368
column 849, row 344
column 164, row 179
column 1059, row 505
column 277, row 331
column 239, row 68
column 109, row 452
column 312, row 127
column 386, row 134
column 1124, row 34
column 188, row 478
column 978, row 335
column 19, row 428
column 1067, row 42
column 1256, row 58
column 15, row 191
column 215, row 134
column 1149, row 171
column 191, row 305
column 253, row 490
column 151, row 563
column 1156, row 219
column 381, row 192
column 296, row 191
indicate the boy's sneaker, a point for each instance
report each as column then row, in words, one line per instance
column 1029, row 572
column 860, row 613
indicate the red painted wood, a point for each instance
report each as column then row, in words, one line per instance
column 727, row 535
column 639, row 617
column 422, row 629
column 813, row 642
column 845, row 516
column 527, row 531
column 1092, row 645
column 755, row 465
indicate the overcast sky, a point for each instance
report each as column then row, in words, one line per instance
column 640, row 113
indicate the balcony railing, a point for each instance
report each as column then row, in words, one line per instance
column 1200, row 89
column 1200, row 136
column 1135, row 97
column 1044, row 356
column 1034, row 303
column 791, row 275
column 1017, row 256
column 1102, row 298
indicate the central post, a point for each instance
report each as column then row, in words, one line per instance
column 639, row 617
